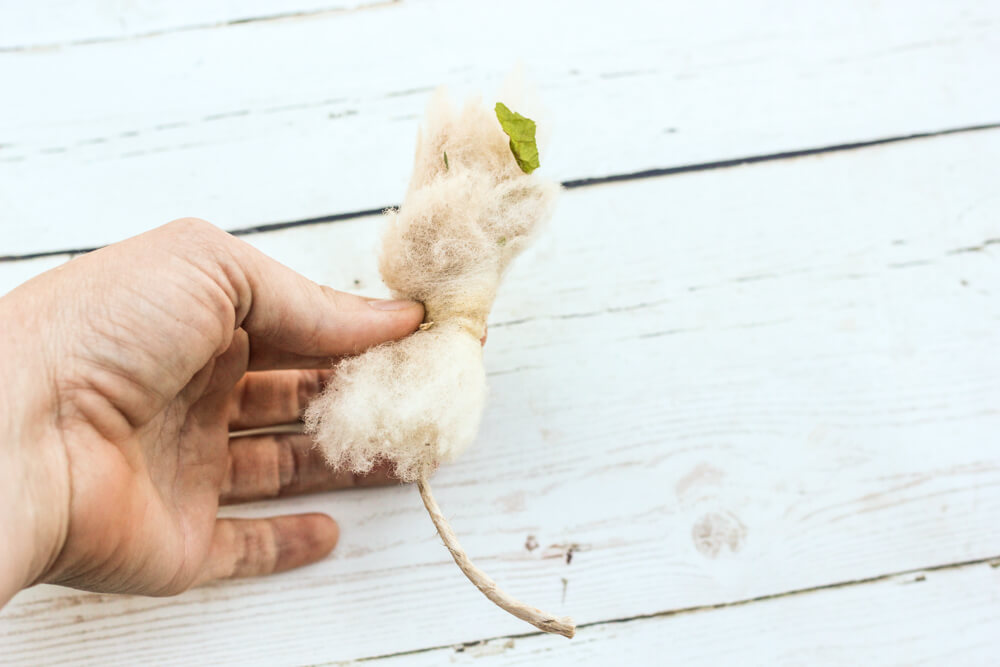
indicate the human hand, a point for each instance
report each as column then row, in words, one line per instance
column 124, row 372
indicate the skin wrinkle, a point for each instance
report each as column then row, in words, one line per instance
column 241, row 294
column 216, row 258
column 192, row 453
column 84, row 405
column 198, row 386
column 127, row 342
column 189, row 541
column 63, row 518
column 176, row 484
column 217, row 304
column 134, row 318
column 280, row 465
column 101, row 325
column 268, row 468
column 103, row 380
column 323, row 322
column 261, row 467
column 259, row 549
column 290, row 399
column 286, row 466
column 310, row 383
column 86, row 576
column 266, row 328
column 237, row 401
column 144, row 563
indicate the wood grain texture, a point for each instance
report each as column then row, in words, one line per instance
column 54, row 24
column 899, row 621
column 284, row 120
column 705, row 389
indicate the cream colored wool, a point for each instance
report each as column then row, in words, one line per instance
column 417, row 403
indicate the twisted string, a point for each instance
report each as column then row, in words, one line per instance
column 538, row 618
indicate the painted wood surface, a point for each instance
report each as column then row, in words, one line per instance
column 776, row 381
column 272, row 121
column 706, row 389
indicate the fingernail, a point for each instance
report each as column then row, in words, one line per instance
column 398, row 304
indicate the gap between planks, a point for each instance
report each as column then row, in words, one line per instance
column 992, row 561
column 659, row 172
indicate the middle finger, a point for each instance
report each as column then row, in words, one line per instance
column 286, row 464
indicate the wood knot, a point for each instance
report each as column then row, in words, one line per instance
column 716, row 530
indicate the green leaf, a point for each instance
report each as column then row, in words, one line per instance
column 446, row 161
column 521, row 131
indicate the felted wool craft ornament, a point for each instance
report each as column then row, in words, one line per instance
column 471, row 207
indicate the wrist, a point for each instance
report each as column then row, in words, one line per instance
column 34, row 487
column 17, row 536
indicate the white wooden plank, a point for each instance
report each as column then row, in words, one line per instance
column 277, row 121
column 718, row 386
column 47, row 24
column 947, row 617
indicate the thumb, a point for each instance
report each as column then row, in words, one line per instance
column 294, row 322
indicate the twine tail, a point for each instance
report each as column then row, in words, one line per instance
column 538, row 618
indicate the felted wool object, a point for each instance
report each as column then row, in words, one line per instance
column 417, row 403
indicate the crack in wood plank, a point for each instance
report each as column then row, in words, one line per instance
column 919, row 575
column 598, row 180
column 975, row 248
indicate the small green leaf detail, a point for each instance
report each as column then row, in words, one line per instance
column 503, row 241
column 446, row 161
column 521, row 131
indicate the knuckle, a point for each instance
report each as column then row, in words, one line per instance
column 308, row 386
column 286, row 464
column 229, row 477
column 263, row 470
column 199, row 238
column 193, row 225
column 255, row 549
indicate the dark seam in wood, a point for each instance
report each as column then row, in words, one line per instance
column 770, row 157
column 975, row 248
column 580, row 183
column 991, row 561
